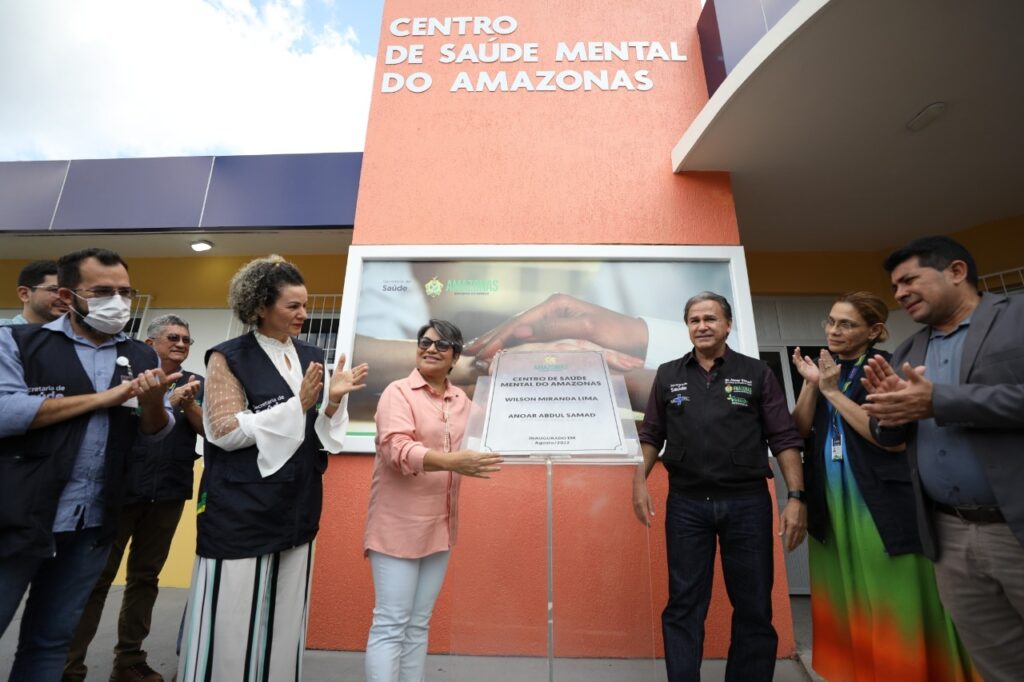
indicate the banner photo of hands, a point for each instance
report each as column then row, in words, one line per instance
column 624, row 302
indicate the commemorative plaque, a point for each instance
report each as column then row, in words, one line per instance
column 553, row 403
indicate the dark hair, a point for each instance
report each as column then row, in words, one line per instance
column 709, row 296
column 934, row 252
column 69, row 267
column 258, row 284
column 447, row 331
column 160, row 323
column 35, row 272
column 871, row 308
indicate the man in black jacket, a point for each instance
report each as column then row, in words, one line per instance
column 717, row 412
column 160, row 480
column 71, row 409
column 959, row 407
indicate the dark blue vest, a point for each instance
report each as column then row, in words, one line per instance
column 163, row 471
column 36, row 465
column 240, row 513
column 715, row 443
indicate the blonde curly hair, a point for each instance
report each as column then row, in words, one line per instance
column 257, row 284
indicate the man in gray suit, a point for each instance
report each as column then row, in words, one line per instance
column 958, row 404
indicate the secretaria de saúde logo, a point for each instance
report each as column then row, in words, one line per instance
column 433, row 288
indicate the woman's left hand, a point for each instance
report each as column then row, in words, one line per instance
column 828, row 371
column 345, row 381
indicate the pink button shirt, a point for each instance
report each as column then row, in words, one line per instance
column 414, row 513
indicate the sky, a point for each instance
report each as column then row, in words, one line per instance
column 84, row 79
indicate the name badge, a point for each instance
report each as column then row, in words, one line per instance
column 837, row 448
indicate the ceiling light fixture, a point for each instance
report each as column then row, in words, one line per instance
column 202, row 245
column 926, row 117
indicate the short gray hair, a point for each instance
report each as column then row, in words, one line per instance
column 709, row 296
column 160, row 323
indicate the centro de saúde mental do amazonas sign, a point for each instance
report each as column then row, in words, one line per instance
column 542, row 402
column 491, row 41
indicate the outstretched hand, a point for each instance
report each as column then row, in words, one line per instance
column 562, row 316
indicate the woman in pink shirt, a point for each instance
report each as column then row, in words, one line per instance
column 412, row 521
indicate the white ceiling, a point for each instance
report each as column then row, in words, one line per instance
column 811, row 124
column 176, row 244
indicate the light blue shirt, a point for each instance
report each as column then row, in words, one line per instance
column 950, row 470
column 81, row 501
column 17, row 319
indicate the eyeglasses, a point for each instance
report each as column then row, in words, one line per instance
column 51, row 289
column 105, row 292
column 442, row 346
column 842, row 326
column 178, row 338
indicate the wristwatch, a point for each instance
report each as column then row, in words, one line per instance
column 797, row 495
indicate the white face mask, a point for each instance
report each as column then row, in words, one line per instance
column 108, row 314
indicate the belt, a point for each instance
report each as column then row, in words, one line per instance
column 973, row 514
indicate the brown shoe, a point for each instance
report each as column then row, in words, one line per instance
column 140, row 672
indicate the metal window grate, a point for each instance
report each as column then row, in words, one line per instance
column 319, row 329
column 1004, row 282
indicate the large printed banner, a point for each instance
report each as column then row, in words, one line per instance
column 626, row 302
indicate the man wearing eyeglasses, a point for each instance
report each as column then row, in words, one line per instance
column 38, row 291
column 71, row 410
column 160, row 480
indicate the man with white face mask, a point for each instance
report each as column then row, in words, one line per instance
column 71, row 408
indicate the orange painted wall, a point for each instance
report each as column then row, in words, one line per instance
column 534, row 167
column 542, row 167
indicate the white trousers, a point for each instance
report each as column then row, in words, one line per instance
column 406, row 589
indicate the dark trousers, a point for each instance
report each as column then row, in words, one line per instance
column 743, row 528
column 57, row 590
column 150, row 526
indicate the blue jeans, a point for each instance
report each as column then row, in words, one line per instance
column 743, row 527
column 60, row 586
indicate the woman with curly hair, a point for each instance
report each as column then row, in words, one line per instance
column 269, row 416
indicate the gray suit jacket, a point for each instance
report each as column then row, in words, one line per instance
column 988, row 401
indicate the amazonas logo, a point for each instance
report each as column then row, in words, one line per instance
column 434, row 288
column 470, row 287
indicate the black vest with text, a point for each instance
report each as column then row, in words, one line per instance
column 715, row 443
column 35, row 466
column 240, row 513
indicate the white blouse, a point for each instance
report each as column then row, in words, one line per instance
column 277, row 432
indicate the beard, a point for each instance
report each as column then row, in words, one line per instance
column 75, row 306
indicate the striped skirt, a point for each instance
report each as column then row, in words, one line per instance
column 246, row 618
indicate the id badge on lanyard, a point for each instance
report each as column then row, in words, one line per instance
column 837, row 445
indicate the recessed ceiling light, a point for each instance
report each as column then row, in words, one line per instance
column 926, row 116
column 202, row 245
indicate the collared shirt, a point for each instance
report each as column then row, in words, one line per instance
column 17, row 319
column 81, row 501
column 414, row 513
column 950, row 470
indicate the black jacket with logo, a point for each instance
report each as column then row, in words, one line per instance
column 36, row 465
column 716, row 426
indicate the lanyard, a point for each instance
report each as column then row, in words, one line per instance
column 837, row 447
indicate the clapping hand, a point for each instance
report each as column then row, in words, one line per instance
column 312, row 386
column 346, row 381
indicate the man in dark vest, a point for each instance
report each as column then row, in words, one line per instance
column 160, row 480
column 75, row 396
column 716, row 412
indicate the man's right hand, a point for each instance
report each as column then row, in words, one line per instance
column 643, row 507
